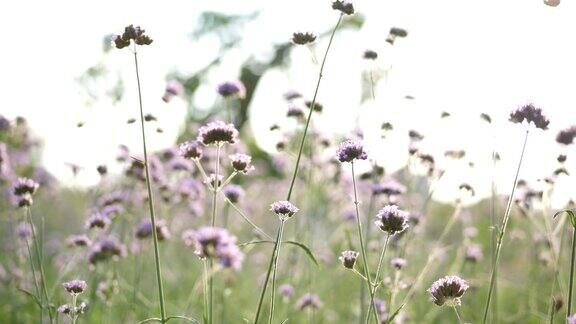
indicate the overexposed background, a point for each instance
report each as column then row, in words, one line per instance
column 463, row 57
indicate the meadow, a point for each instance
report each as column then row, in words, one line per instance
column 215, row 229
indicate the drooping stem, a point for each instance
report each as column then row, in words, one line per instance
column 40, row 264
column 295, row 173
column 150, row 198
column 377, row 278
column 569, row 306
column 273, row 292
column 493, row 276
column 263, row 292
column 362, row 247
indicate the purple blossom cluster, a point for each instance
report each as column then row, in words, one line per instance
column 217, row 243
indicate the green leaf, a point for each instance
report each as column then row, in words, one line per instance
column 571, row 214
column 306, row 249
column 148, row 320
column 36, row 300
column 391, row 318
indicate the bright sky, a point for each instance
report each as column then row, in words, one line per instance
column 463, row 57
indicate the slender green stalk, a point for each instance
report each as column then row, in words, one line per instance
column 273, row 258
column 569, row 306
column 40, row 264
column 362, row 247
column 457, row 314
column 213, row 223
column 273, row 288
column 206, row 301
column 493, row 235
column 38, row 291
column 150, row 198
column 376, row 280
column 493, row 276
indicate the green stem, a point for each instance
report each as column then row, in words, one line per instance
column 206, row 302
column 273, row 291
column 371, row 306
column 40, row 265
column 263, row 292
column 493, row 276
column 150, row 198
column 362, row 248
column 569, row 306
column 457, row 314
column 38, row 291
column 213, row 223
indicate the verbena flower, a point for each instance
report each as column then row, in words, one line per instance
column 530, row 114
column 97, row 220
column 318, row 107
column 241, row 162
column 348, row 258
column 144, row 229
column 75, row 286
column 284, row 208
column 190, row 150
column 25, row 186
column 294, row 111
column 309, row 300
column 351, row 150
column 392, row 220
column 78, row 240
column 571, row 319
column 394, row 33
column 303, row 38
column 474, row 253
column 132, row 33
column 390, row 187
column 344, row 6
column 217, row 133
column 215, row 242
column 286, row 290
column 233, row 192
column 232, row 89
column 448, row 290
column 566, row 136
column 398, row 263
column 106, row 248
column 24, row 231
column 214, row 180
column 173, row 89
column 370, row 55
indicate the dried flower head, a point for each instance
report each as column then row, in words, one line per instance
column 566, row 136
column 284, row 209
column 75, row 286
column 394, row 33
column 448, row 290
column 531, row 114
column 348, row 259
column 344, row 6
column 25, row 186
column 351, row 150
column 217, row 133
column 241, row 162
column 303, row 38
column 392, row 219
column 132, row 33
column 233, row 192
column 190, row 150
column 215, row 242
column 318, row 107
column 232, row 89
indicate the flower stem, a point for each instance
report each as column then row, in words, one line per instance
column 150, row 198
column 569, row 306
column 273, row 288
column 371, row 306
column 213, row 223
column 457, row 314
column 362, row 248
column 493, row 276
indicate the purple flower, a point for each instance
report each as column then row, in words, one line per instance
column 344, row 6
column 215, row 242
column 351, row 150
column 448, row 290
column 230, row 89
column 98, row 220
column 233, row 192
column 309, row 301
column 24, row 231
column 531, row 114
column 241, row 162
column 108, row 247
column 190, row 150
column 78, row 240
column 390, row 187
column 294, row 111
column 217, row 133
column 75, row 286
column 286, row 290
column 474, row 253
column 348, row 258
column 25, row 186
column 571, row 319
column 64, row 309
column 566, row 136
column 284, row 209
column 303, row 38
column 132, row 33
column 144, row 229
column 173, row 88
column 398, row 263
column 391, row 219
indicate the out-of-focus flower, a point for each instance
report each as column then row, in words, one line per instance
column 190, row 150
column 370, row 55
column 286, row 290
column 232, row 89
column 474, row 253
column 78, row 240
column 215, row 242
column 144, row 229
column 348, row 258
column 97, row 220
column 25, row 186
column 309, row 301
column 344, row 6
column 173, row 89
column 75, row 286
column 394, row 33
column 398, row 263
column 303, row 38
column 106, row 248
column 566, row 136
column 233, row 192
column 351, row 150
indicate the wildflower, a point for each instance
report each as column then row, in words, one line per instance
column 25, row 186
column 64, row 309
column 345, row 6
column 214, row 180
column 474, row 253
column 217, row 133
column 394, row 33
column 389, row 188
column 24, row 200
column 571, row 319
column 78, row 240
column 415, row 136
column 173, row 89
column 348, row 259
column 294, row 111
column 561, row 158
column 291, row 95
column 24, row 231
column 392, row 220
column 317, row 106
column 351, row 150
column 241, row 162
column 566, row 136
column 108, row 247
column 531, row 114
column 284, row 209
column 75, row 286
column 398, row 263
column 97, row 220
column 132, row 33
column 102, row 170
column 448, row 290
column 215, row 242
column 309, row 300
column 233, row 192
column 144, row 230
column 286, row 290
column 190, row 150
column 232, row 89
column 370, row 55
column 303, row 38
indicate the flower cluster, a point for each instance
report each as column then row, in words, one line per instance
column 303, row 38
column 215, row 242
column 392, row 219
column 348, row 258
column 344, row 6
column 566, row 136
column 309, row 301
column 241, row 162
column 132, row 33
column 106, row 248
column 284, row 209
column 448, row 290
column 217, row 133
column 173, row 89
column 144, row 230
column 190, row 150
column 232, row 89
column 530, row 114
column 23, row 189
column 351, row 150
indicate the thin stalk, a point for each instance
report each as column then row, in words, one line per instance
column 281, row 228
column 38, row 291
column 273, row 291
column 263, row 292
column 213, row 223
column 150, row 198
column 503, row 231
column 40, row 265
column 457, row 314
column 569, row 306
column 493, row 235
column 371, row 306
column 362, row 248
column 206, row 302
